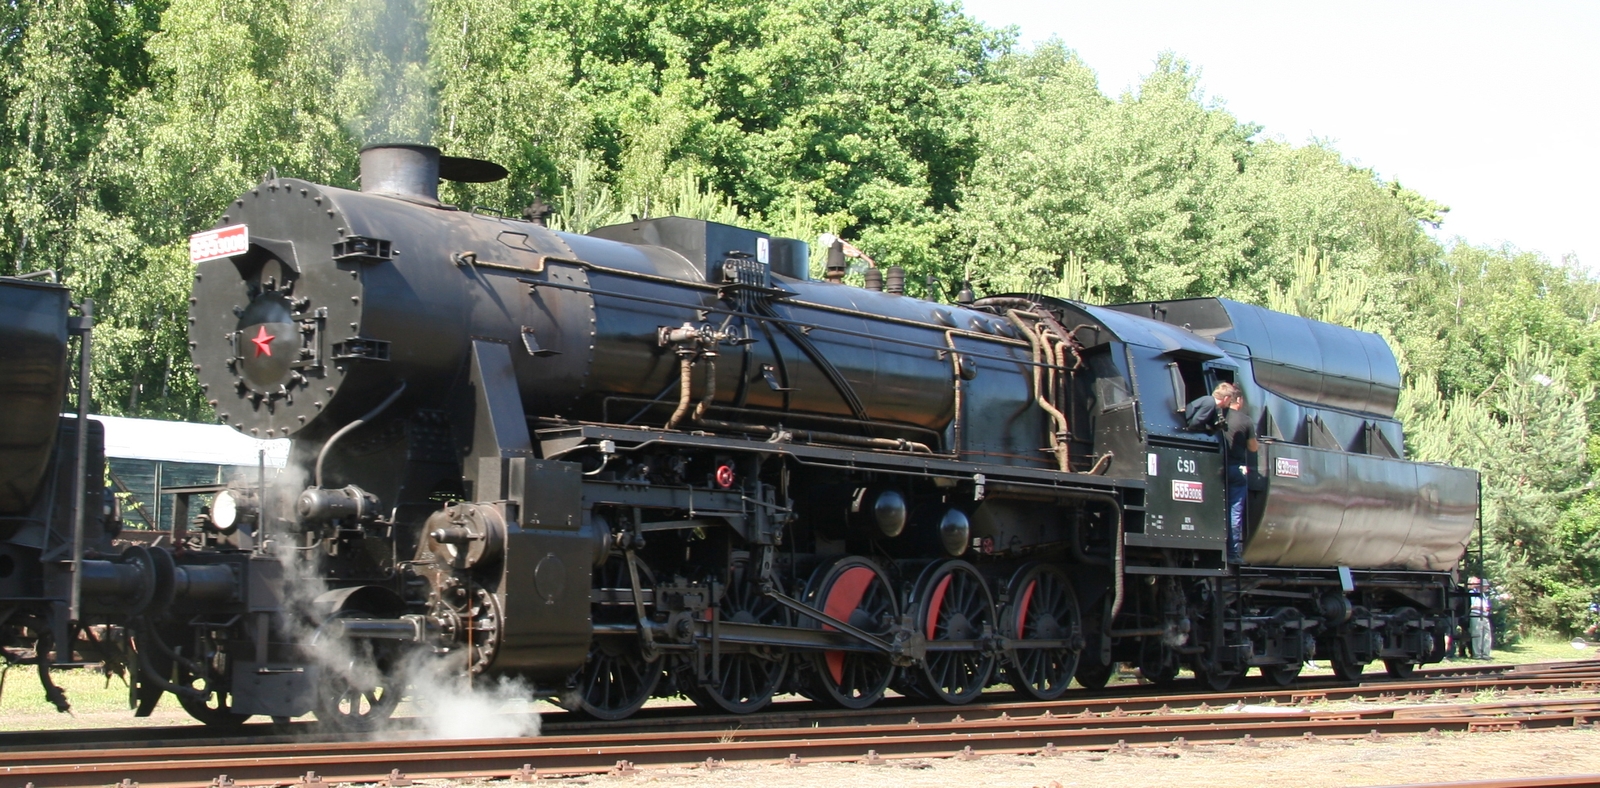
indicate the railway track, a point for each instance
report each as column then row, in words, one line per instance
column 1127, row 697
column 881, row 734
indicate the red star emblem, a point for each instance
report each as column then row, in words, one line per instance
column 263, row 341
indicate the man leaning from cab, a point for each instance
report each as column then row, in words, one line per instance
column 1239, row 440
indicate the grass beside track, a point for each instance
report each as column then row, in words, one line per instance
column 99, row 701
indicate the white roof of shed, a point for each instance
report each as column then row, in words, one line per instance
column 181, row 441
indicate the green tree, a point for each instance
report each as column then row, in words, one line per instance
column 1528, row 433
column 1472, row 304
column 235, row 88
column 852, row 112
column 66, row 66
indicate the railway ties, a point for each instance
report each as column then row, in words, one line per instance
column 371, row 762
column 969, row 732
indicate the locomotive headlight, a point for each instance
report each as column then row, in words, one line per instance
column 224, row 511
column 230, row 510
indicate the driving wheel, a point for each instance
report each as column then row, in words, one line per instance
column 954, row 609
column 858, row 592
column 1043, row 608
column 744, row 681
column 618, row 676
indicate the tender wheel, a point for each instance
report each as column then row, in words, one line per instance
column 1215, row 681
column 1092, row 674
column 1281, row 675
column 953, row 604
column 355, row 691
column 1160, row 674
column 745, row 681
column 1344, row 665
column 857, row 591
column 1043, row 607
column 1400, row 668
column 617, row 678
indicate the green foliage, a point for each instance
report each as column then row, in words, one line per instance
column 590, row 203
column 1473, row 303
column 1142, row 189
column 1528, row 433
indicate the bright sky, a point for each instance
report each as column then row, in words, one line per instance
column 1487, row 107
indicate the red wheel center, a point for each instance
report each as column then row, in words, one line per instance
column 844, row 597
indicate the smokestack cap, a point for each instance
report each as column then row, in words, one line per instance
column 413, row 171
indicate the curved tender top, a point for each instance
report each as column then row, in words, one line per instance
column 1305, row 360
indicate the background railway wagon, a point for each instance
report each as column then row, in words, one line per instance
column 145, row 458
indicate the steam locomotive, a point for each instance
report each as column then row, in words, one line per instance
column 660, row 459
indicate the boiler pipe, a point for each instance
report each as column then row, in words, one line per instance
column 80, row 484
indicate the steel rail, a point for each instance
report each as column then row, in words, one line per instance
column 1513, row 782
column 1085, row 721
column 1463, row 681
column 500, row 758
column 1071, row 706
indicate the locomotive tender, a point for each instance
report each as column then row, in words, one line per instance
column 660, row 459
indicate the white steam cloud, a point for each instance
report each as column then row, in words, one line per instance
column 445, row 702
column 386, row 77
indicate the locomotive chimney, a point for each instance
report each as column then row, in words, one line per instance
column 407, row 171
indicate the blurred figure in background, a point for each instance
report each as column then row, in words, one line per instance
column 1479, row 629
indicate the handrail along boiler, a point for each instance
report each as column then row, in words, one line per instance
column 659, row 458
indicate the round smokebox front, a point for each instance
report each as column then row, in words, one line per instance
column 272, row 308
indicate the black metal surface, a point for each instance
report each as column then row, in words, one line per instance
column 1332, row 508
column 452, row 276
column 1305, row 360
column 33, row 377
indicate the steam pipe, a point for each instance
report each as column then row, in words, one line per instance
column 956, row 438
column 685, row 393
column 811, row 436
column 711, row 389
column 80, row 484
column 1116, row 571
column 1057, row 418
column 371, row 414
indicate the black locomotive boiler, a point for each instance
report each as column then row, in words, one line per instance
column 659, row 459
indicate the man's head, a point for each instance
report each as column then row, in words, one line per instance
column 1473, row 582
column 1225, row 393
column 1236, row 401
